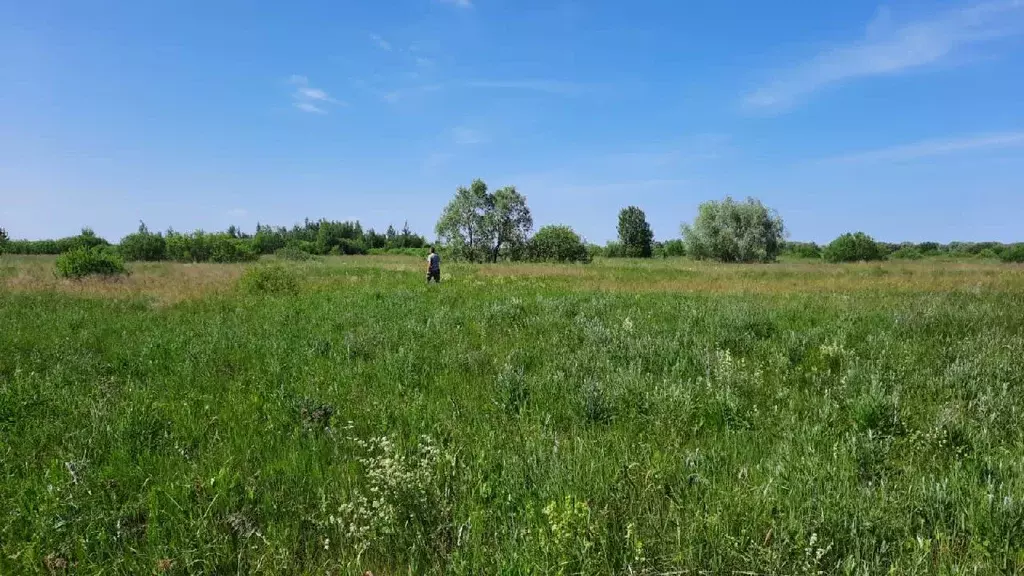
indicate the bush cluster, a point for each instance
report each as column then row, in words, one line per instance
column 292, row 253
column 86, row 239
column 1014, row 254
column 199, row 246
column 808, row 250
column 909, row 252
column 144, row 246
column 81, row 262
column 322, row 237
column 557, row 244
column 856, row 247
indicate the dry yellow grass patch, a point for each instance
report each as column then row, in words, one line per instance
column 163, row 282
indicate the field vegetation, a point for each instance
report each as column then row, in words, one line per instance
column 626, row 416
column 299, row 401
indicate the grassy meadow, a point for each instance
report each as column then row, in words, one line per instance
column 623, row 417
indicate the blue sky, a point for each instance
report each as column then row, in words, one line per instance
column 904, row 120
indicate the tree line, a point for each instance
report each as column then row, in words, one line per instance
column 479, row 225
column 314, row 237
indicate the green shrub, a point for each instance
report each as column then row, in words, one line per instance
column 1014, row 254
column 908, row 253
column 856, row 247
column 730, row 231
column 556, row 244
column 988, row 254
column 81, row 262
column 144, row 246
column 291, row 253
column 808, row 250
column 269, row 279
column 613, row 249
column 676, row 247
column 32, row 247
column 224, row 250
column 86, row 239
column 202, row 247
column 594, row 251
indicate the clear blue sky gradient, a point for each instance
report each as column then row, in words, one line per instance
column 904, row 120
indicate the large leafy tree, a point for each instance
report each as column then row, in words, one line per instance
column 478, row 225
column 635, row 233
column 510, row 221
column 463, row 225
column 731, row 231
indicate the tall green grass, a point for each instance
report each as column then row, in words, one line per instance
column 512, row 425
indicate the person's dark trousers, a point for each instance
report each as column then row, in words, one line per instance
column 434, row 275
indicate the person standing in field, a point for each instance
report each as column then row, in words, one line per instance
column 433, row 266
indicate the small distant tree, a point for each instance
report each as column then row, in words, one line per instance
column 409, row 239
column 854, row 247
column 557, row 244
column 731, row 231
column 635, row 233
column 3, row 239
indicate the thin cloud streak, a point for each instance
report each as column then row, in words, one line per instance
column 549, row 86
column 889, row 50
column 311, row 108
column 459, row 3
column 309, row 99
column 933, row 148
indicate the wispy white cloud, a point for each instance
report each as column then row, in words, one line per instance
column 464, row 136
column 935, row 147
column 380, row 42
column 888, row 49
column 308, row 93
column 459, row 3
column 549, row 86
column 309, row 99
column 309, row 107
